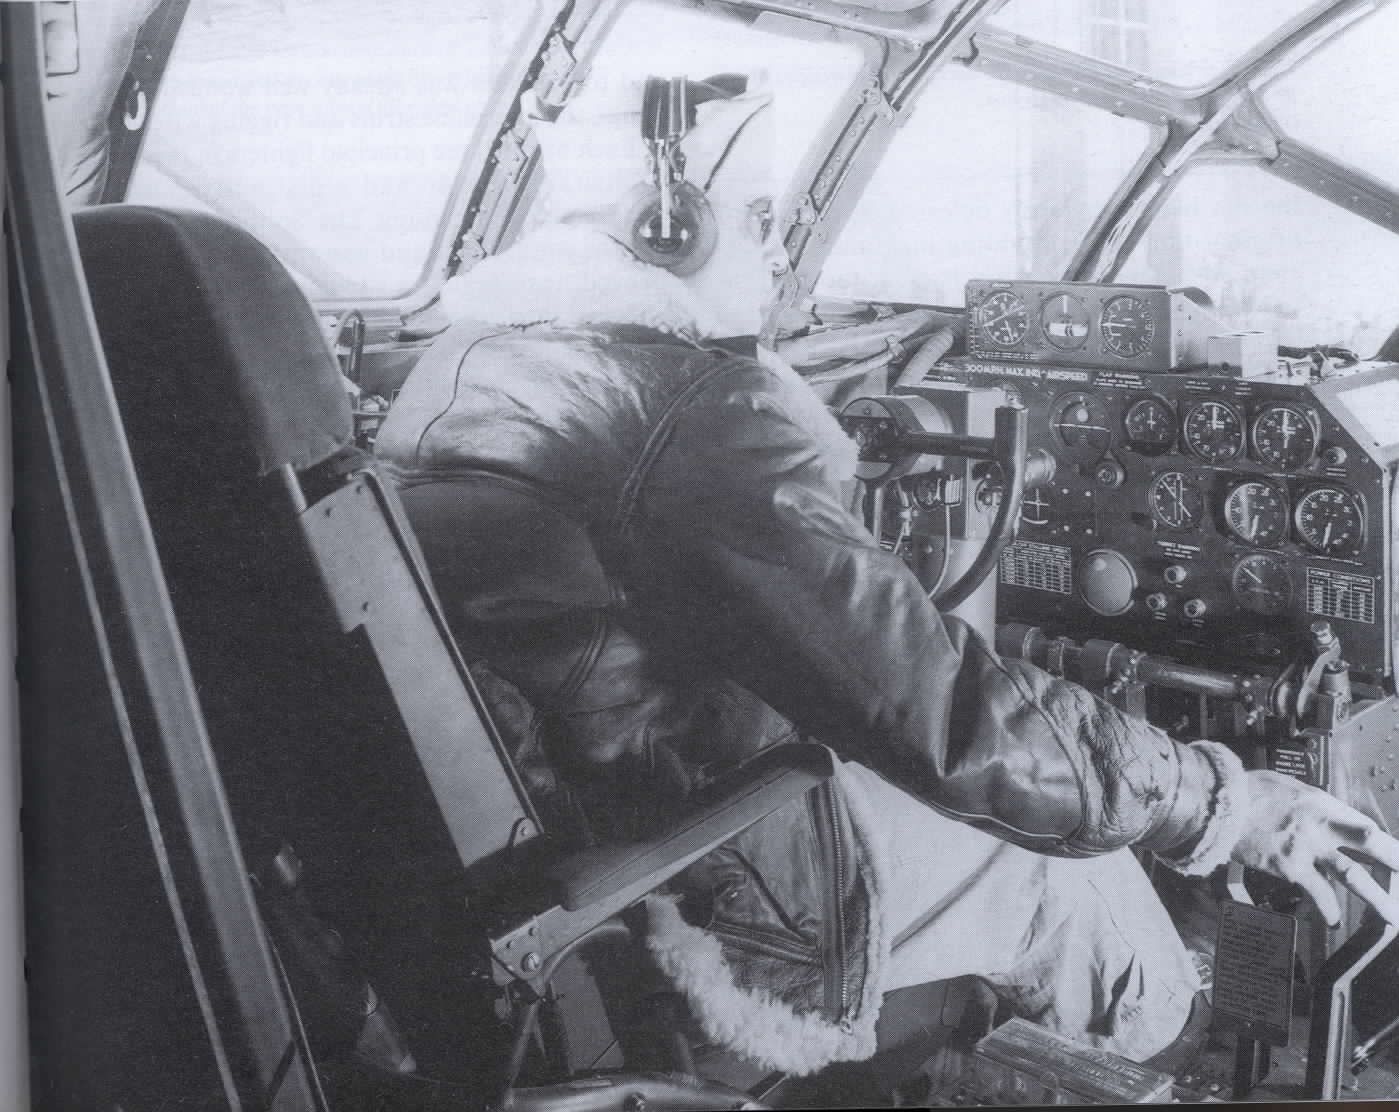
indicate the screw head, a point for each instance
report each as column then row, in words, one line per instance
column 530, row 962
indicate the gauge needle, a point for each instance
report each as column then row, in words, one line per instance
column 1253, row 527
column 1248, row 571
column 1326, row 536
column 997, row 320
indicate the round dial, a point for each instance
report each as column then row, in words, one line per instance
column 1260, row 583
column 1080, row 426
column 1003, row 318
column 1256, row 512
column 1035, row 507
column 1151, row 425
column 1065, row 322
column 1176, row 500
column 1214, row 431
column 1128, row 325
column 1284, row 436
column 1330, row 521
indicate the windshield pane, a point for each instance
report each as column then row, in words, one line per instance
column 1343, row 99
column 987, row 179
column 1276, row 257
column 808, row 67
column 331, row 129
column 1185, row 42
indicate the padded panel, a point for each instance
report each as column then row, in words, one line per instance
column 229, row 351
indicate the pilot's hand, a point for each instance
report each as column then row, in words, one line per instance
column 1312, row 839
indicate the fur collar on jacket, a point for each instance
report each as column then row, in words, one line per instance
column 572, row 275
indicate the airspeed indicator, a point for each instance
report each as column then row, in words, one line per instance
column 1128, row 325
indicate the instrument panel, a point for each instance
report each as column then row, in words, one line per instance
column 1199, row 515
column 1141, row 328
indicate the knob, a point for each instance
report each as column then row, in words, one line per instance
column 1195, row 608
column 1157, row 602
column 1109, row 474
column 1107, row 582
column 1334, row 456
column 1175, row 575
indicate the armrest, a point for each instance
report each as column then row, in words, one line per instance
column 751, row 792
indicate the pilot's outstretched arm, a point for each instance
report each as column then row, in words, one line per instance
column 750, row 549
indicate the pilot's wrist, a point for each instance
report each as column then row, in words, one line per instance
column 1207, row 816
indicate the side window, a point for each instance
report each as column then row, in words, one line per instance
column 986, row 179
column 331, row 129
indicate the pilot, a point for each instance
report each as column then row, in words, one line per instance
column 636, row 519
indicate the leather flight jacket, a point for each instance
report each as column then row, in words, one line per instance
column 644, row 543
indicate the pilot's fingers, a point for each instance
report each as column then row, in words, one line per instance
column 1319, row 889
column 1357, row 878
column 1367, row 838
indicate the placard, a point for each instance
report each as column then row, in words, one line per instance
column 1253, row 972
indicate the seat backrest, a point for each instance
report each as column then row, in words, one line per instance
column 338, row 705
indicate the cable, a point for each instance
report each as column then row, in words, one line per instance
column 946, row 550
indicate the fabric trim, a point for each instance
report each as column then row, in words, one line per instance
column 752, row 1021
column 514, row 288
column 1228, row 810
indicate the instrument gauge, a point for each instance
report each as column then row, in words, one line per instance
column 1284, row 437
column 1003, row 318
column 1214, row 431
column 1261, row 584
column 1065, row 321
column 1330, row 521
column 1035, row 507
column 1079, row 424
column 1151, row 425
column 1176, row 500
column 1256, row 513
column 1128, row 325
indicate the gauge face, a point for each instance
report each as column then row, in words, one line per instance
column 1176, row 500
column 1261, row 583
column 1080, row 426
column 1128, row 325
column 1151, row 425
column 1214, row 431
column 1330, row 521
column 1034, row 507
column 1003, row 318
column 1065, row 321
column 1256, row 513
column 1284, row 437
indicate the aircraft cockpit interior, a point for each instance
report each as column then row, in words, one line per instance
column 520, row 609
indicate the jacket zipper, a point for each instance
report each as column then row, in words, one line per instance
column 837, row 971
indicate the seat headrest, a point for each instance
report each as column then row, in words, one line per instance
column 210, row 340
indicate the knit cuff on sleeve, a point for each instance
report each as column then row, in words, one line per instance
column 1228, row 810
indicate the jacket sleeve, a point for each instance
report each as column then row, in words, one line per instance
column 743, row 540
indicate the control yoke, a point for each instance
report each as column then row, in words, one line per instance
column 905, row 435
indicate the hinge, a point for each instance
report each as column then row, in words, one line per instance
column 510, row 153
column 556, row 67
